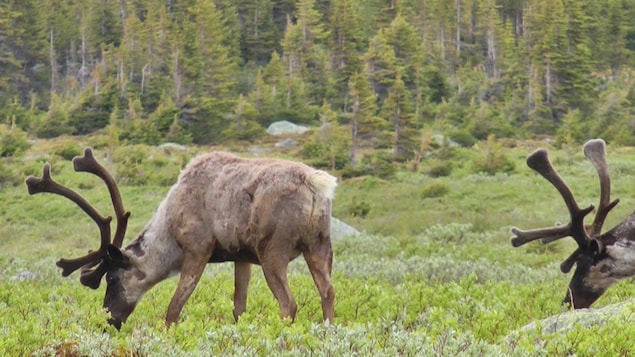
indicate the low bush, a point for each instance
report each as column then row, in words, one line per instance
column 68, row 150
column 13, row 141
column 8, row 175
column 439, row 169
column 494, row 160
column 435, row 189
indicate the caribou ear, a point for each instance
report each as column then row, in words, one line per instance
column 116, row 257
column 596, row 247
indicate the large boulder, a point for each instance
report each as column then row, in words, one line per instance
column 285, row 127
column 566, row 321
column 340, row 229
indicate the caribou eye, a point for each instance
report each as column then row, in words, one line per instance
column 596, row 247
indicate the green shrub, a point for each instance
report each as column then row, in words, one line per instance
column 139, row 131
column 462, row 137
column 494, row 161
column 129, row 163
column 176, row 134
column 442, row 288
column 379, row 164
column 439, row 169
column 493, row 164
column 55, row 122
column 68, row 150
column 435, row 189
column 12, row 141
column 98, row 141
column 139, row 165
column 34, row 167
column 324, row 155
column 358, row 208
column 454, row 232
column 8, row 175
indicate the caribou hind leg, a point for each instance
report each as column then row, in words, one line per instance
column 320, row 262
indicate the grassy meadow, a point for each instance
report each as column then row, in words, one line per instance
column 432, row 274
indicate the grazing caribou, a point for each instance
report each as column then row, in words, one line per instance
column 222, row 208
column 601, row 258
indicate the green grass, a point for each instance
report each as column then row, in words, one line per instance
column 430, row 275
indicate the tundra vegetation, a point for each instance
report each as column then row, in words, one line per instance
column 425, row 109
column 432, row 273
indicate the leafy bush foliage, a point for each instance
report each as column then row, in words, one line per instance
column 328, row 155
column 359, row 208
column 439, row 168
column 435, row 189
column 12, row 141
column 462, row 137
column 379, row 164
column 56, row 121
column 68, row 150
column 8, row 175
column 136, row 166
column 494, row 161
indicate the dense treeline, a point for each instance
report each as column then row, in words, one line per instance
column 381, row 74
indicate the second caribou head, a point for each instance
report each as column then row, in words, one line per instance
column 601, row 259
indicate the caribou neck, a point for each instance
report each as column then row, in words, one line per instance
column 155, row 252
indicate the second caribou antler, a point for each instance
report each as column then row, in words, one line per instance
column 595, row 151
column 90, row 276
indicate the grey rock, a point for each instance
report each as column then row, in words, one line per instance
column 285, row 127
column 25, row 275
column 286, row 143
column 169, row 148
column 340, row 229
column 568, row 320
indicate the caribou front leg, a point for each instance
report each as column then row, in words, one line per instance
column 274, row 267
column 193, row 266
column 242, row 274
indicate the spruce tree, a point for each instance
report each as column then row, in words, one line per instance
column 398, row 110
column 362, row 121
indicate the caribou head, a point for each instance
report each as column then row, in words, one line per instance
column 601, row 259
column 108, row 259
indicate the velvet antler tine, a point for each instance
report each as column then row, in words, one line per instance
column 39, row 184
column 88, row 163
column 70, row 265
column 92, row 277
column 567, row 264
column 47, row 184
column 595, row 151
column 544, row 234
column 539, row 162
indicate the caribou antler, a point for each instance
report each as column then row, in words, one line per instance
column 595, row 151
column 87, row 163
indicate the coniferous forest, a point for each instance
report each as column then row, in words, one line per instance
column 381, row 74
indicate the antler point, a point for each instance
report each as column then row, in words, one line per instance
column 516, row 242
